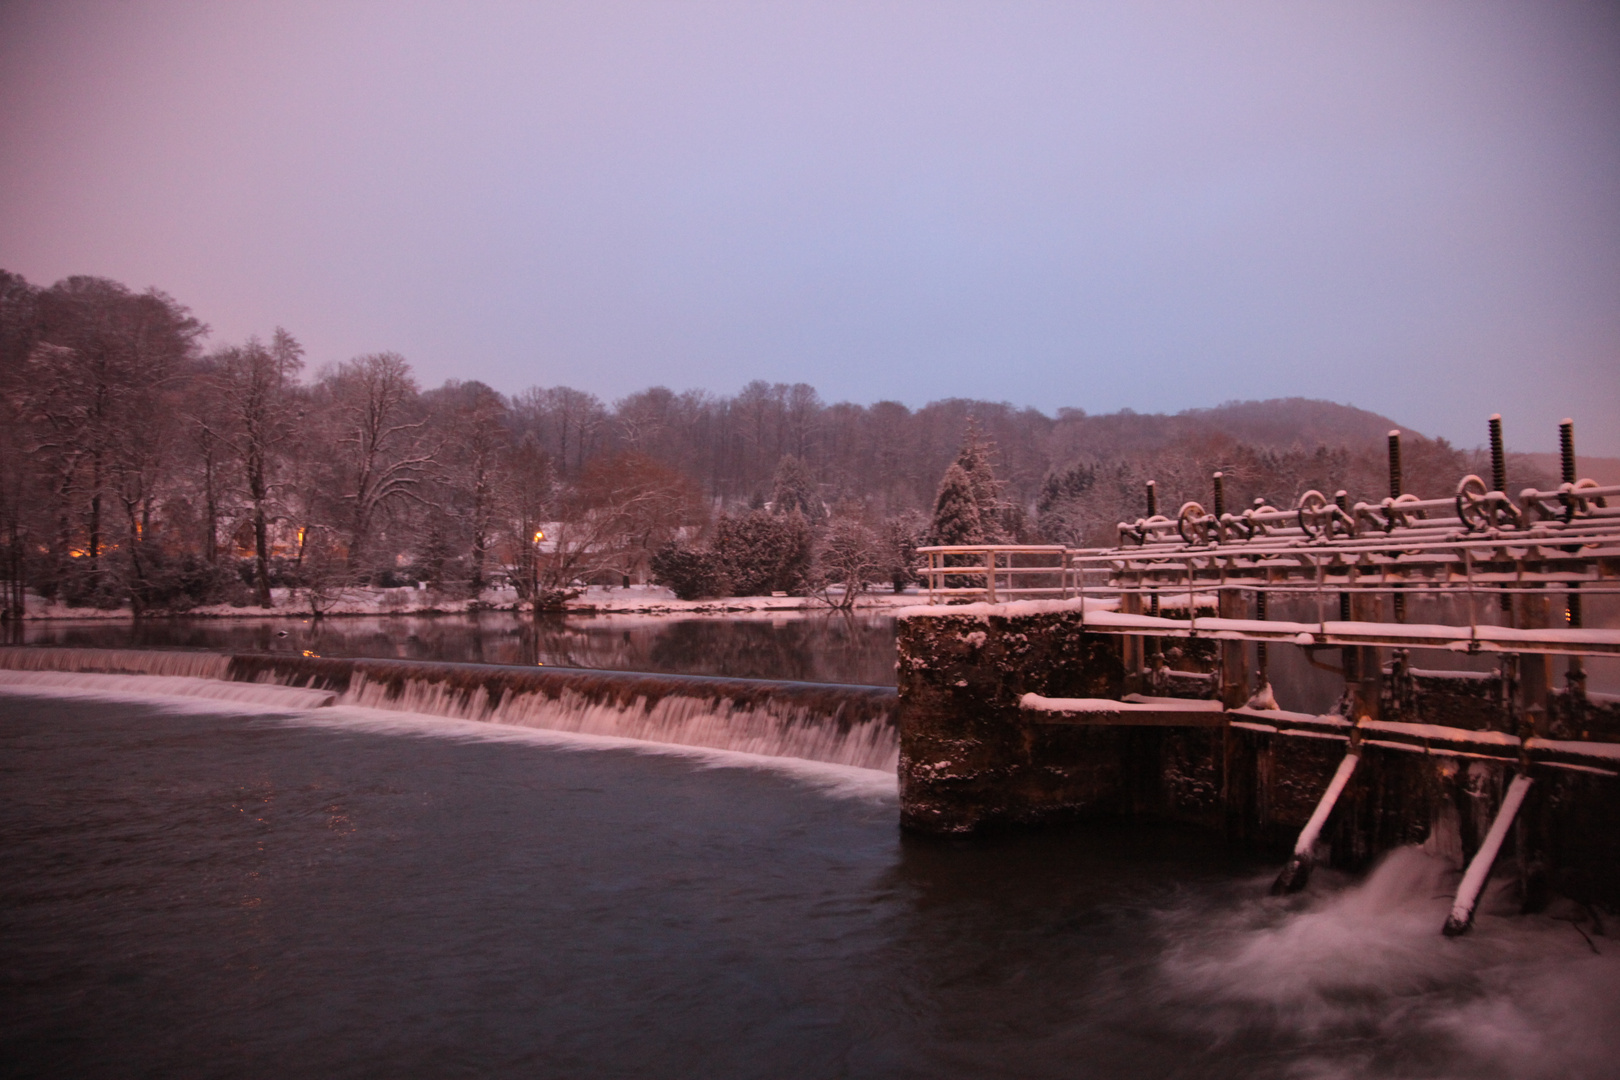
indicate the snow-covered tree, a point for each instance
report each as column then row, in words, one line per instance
column 974, row 458
column 792, row 489
column 256, row 389
column 848, row 557
column 956, row 511
column 763, row 553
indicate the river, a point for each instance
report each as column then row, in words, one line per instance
column 201, row 889
column 820, row 647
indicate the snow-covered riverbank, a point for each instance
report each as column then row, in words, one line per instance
column 634, row 599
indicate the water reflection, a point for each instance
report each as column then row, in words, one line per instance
column 810, row 648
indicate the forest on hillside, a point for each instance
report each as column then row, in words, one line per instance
column 138, row 466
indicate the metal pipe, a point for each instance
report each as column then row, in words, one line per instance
column 1395, row 486
column 1479, row 869
column 1298, row 871
column 1341, row 499
column 1260, row 649
column 1153, row 510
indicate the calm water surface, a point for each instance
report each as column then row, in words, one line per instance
column 217, row 892
column 807, row 648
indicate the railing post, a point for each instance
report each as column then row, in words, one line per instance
column 990, row 576
column 1230, row 603
column 1396, row 482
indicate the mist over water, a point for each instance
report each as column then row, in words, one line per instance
column 1356, row 977
column 238, row 890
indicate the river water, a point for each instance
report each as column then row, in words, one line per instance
column 202, row 889
column 799, row 648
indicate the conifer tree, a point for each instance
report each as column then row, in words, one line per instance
column 956, row 512
column 792, row 489
column 974, row 458
column 974, row 461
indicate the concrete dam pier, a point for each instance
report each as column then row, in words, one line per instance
column 1018, row 718
column 1140, row 685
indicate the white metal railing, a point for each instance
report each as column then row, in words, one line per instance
column 1563, row 543
column 993, row 571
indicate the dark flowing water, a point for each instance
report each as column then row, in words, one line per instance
column 803, row 648
column 205, row 890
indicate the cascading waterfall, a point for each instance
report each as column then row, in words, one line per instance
column 776, row 729
column 844, row 725
column 196, row 665
column 281, row 697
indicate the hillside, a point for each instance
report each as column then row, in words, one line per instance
column 1605, row 470
column 1276, row 424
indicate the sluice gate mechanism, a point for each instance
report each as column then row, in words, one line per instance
column 1045, row 683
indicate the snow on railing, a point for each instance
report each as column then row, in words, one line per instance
column 996, row 572
column 1478, row 547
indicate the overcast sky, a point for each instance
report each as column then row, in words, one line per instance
column 1411, row 207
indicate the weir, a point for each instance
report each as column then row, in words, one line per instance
column 844, row 725
column 1051, row 684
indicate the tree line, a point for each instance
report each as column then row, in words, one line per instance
column 140, row 467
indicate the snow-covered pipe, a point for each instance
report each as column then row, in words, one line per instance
column 1298, row 870
column 1462, row 910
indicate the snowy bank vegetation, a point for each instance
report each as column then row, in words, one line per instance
column 141, row 470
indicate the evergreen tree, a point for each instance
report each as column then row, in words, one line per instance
column 792, row 489
column 974, row 458
column 900, row 537
column 761, row 553
column 956, row 512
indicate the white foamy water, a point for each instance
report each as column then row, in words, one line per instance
column 313, row 708
column 197, row 665
column 776, row 728
column 167, row 686
column 833, row 779
column 1349, row 970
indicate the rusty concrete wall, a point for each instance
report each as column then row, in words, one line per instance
column 969, row 760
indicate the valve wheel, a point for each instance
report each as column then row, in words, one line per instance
column 1193, row 524
column 1314, row 518
column 1472, row 508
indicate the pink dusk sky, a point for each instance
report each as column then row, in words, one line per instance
column 1412, row 207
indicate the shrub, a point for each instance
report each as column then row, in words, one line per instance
column 692, row 575
column 763, row 553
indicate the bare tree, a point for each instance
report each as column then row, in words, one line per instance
column 473, row 419
column 260, row 413
column 382, row 441
column 525, row 494
column 101, row 360
column 622, row 510
column 849, row 557
column 566, row 422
